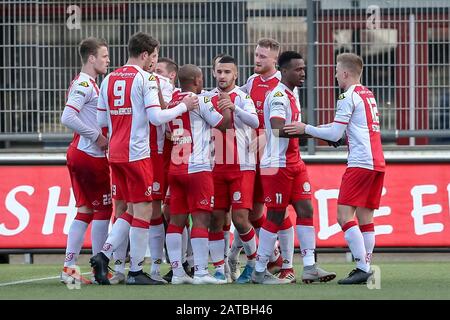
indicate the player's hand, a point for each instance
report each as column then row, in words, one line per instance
column 295, row 128
column 224, row 96
column 102, row 142
column 191, row 102
column 225, row 104
column 336, row 144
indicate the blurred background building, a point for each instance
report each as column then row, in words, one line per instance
column 405, row 45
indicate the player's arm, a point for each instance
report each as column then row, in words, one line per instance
column 216, row 120
column 278, row 105
column 78, row 96
column 332, row 131
column 247, row 113
column 155, row 114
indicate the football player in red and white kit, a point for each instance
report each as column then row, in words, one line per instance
column 86, row 158
column 265, row 78
column 362, row 183
column 285, row 179
column 234, row 169
column 169, row 69
column 158, row 144
column 128, row 100
column 190, row 177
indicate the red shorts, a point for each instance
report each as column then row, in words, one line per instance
column 258, row 193
column 159, row 176
column 132, row 181
column 233, row 188
column 284, row 186
column 90, row 179
column 191, row 192
column 361, row 188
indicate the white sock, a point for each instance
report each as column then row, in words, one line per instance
column 307, row 238
column 249, row 243
column 120, row 255
column 99, row 234
column 184, row 244
column 368, row 232
column 75, row 239
column 216, row 250
column 173, row 244
column 267, row 241
column 286, row 238
column 138, row 243
column 119, row 232
column 189, row 251
column 355, row 242
column 156, row 239
column 226, row 237
column 275, row 252
column 236, row 246
column 199, row 240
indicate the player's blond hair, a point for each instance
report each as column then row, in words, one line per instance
column 269, row 44
column 351, row 62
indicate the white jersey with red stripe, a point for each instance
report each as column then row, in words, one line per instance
column 280, row 152
column 82, row 97
column 125, row 94
column 158, row 133
column 258, row 88
column 191, row 136
column 235, row 154
column 357, row 108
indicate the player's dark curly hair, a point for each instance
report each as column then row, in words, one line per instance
column 285, row 58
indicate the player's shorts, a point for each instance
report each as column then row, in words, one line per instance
column 284, row 186
column 90, row 180
column 132, row 181
column 159, row 176
column 233, row 188
column 190, row 193
column 361, row 187
column 258, row 193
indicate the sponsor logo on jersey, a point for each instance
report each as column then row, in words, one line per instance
column 341, row 96
column 84, row 84
column 204, row 202
column 206, row 99
column 95, row 203
column 157, row 261
column 267, row 199
column 156, row 186
column 278, row 94
column 121, row 111
column 248, row 97
column 152, row 78
column 81, row 93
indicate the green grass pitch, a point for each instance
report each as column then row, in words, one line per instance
column 399, row 280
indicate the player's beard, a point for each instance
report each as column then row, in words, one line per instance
column 262, row 69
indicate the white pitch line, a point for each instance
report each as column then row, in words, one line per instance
column 31, row 280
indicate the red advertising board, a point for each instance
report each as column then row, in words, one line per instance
column 37, row 206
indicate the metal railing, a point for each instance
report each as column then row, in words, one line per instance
column 405, row 45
